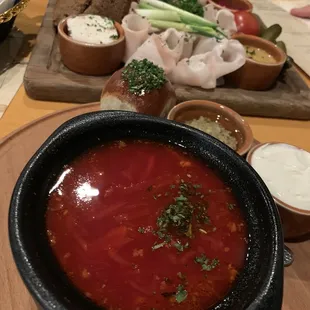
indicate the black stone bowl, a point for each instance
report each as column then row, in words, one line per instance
column 260, row 283
column 5, row 28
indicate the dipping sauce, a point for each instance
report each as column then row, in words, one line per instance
column 142, row 225
column 286, row 171
column 259, row 55
column 214, row 129
column 92, row 29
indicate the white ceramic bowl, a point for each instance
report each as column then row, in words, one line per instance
column 295, row 221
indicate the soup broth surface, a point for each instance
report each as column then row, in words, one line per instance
column 142, row 225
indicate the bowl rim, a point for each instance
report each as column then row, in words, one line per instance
column 263, row 41
column 248, row 3
column 247, row 137
column 63, row 23
column 278, row 201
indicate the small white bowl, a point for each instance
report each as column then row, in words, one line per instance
column 295, row 221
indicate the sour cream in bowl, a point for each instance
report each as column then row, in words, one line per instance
column 93, row 29
column 91, row 44
column 285, row 169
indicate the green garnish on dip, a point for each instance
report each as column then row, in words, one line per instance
column 143, row 76
column 114, row 37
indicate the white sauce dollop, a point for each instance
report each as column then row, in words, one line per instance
column 286, row 171
column 92, row 29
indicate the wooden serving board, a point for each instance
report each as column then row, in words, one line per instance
column 46, row 78
column 17, row 149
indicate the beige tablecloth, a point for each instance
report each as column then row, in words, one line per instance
column 12, row 68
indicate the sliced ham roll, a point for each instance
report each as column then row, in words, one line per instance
column 179, row 43
column 134, row 5
column 226, row 20
column 157, row 51
column 210, row 13
column 204, row 69
column 204, row 45
column 136, row 31
column 166, row 49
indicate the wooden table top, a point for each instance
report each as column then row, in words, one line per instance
column 22, row 110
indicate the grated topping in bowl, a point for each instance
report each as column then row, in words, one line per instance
column 214, row 129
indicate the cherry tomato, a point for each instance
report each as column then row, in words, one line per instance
column 247, row 23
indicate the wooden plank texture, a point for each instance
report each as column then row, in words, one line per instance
column 46, row 78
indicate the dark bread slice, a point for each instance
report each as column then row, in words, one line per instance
column 64, row 8
column 115, row 9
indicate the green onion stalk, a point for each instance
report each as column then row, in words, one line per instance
column 163, row 16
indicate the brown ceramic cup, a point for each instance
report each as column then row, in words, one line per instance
column 295, row 222
column 254, row 75
column 229, row 119
column 233, row 5
column 90, row 59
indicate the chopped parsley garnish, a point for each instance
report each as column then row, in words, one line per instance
column 181, row 276
column 114, row 37
column 250, row 53
column 158, row 245
column 179, row 246
column 181, row 293
column 186, row 209
column 167, row 280
column 231, row 206
column 206, row 263
column 143, row 76
column 192, row 6
column 141, row 230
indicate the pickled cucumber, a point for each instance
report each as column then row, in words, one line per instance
column 272, row 33
column 262, row 26
column 281, row 45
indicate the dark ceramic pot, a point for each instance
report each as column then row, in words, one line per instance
column 5, row 28
column 260, row 284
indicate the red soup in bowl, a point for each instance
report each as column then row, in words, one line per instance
column 143, row 225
